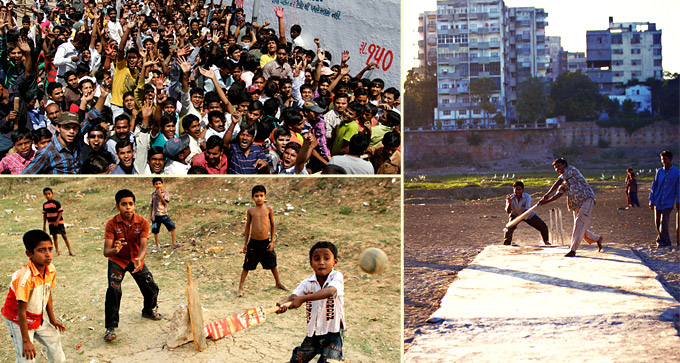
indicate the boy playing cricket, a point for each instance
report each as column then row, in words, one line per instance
column 158, row 212
column 29, row 297
column 125, row 239
column 52, row 215
column 259, row 243
column 323, row 292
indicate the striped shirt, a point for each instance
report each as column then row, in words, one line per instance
column 326, row 315
column 51, row 210
column 30, row 287
column 15, row 163
column 239, row 163
column 57, row 158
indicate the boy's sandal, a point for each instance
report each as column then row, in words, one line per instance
column 152, row 315
column 177, row 246
column 110, row 335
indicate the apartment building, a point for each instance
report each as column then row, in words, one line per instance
column 623, row 52
column 557, row 57
column 427, row 42
column 576, row 62
column 527, row 53
column 483, row 39
column 469, row 47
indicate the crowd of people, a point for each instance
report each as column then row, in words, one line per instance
column 146, row 87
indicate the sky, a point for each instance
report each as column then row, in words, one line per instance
column 570, row 20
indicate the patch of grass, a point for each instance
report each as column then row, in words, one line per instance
column 345, row 210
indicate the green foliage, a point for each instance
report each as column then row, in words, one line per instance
column 532, row 101
column 345, row 210
column 420, row 97
column 576, row 97
column 481, row 90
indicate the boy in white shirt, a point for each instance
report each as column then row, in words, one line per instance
column 323, row 292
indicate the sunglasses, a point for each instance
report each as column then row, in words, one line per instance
column 97, row 136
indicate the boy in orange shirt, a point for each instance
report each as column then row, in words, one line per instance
column 30, row 294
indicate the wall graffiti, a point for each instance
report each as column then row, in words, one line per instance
column 310, row 6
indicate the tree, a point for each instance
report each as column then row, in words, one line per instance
column 628, row 109
column 481, row 90
column 420, row 97
column 670, row 93
column 532, row 101
column 576, row 97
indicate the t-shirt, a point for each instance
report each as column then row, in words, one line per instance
column 123, row 81
column 239, row 163
column 117, row 228
column 344, row 132
column 30, row 287
column 51, row 210
column 352, row 164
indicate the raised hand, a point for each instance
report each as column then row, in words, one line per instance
column 147, row 109
column 344, row 71
column 208, row 73
column 279, row 12
column 160, row 82
column 186, row 67
column 23, row 45
column 345, row 56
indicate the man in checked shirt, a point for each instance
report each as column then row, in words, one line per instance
column 324, row 293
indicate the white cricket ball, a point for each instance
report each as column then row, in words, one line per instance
column 372, row 261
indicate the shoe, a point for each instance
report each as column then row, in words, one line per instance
column 570, row 254
column 110, row 335
column 506, row 244
column 599, row 244
column 152, row 315
column 547, row 243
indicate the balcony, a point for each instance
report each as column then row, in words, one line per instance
column 495, row 44
column 421, row 43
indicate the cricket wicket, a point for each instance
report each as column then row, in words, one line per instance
column 556, row 227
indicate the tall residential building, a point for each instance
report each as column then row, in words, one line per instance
column 623, row 52
column 557, row 56
column 576, row 61
column 427, row 43
column 469, row 47
column 483, row 39
column 527, row 53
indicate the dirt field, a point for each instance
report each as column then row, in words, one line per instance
column 353, row 213
column 442, row 235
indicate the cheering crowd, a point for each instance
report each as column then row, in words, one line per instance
column 183, row 88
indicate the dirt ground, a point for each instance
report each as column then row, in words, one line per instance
column 353, row 213
column 443, row 235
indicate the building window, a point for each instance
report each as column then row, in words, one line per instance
column 656, row 39
column 445, row 101
column 635, row 62
column 617, row 51
column 476, row 111
column 657, row 63
column 616, row 39
column 657, row 51
column 447, row 113
column 445, row 86
column 462, row 112
column 635, row 39
column 635, row 51
column 461, row 38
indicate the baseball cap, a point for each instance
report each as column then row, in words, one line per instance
column 254, row 88
column 67, row 118
column 175, row 145
column 313, row 106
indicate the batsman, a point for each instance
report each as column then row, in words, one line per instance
column 516, row 204
column 580, row 201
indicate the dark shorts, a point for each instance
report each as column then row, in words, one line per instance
column 164, row 220
column 329, row 346
column 58, row 229
column 257, row 253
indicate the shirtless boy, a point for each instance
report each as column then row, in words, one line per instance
column 259, row 242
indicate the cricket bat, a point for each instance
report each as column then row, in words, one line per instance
column 195, row 312
column 17, row 103
column 521, row 217
column 237, row 322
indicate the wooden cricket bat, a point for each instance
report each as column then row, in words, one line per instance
column 237, row 322
column 521, row 217
column 17, row 103
column 195, row 312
